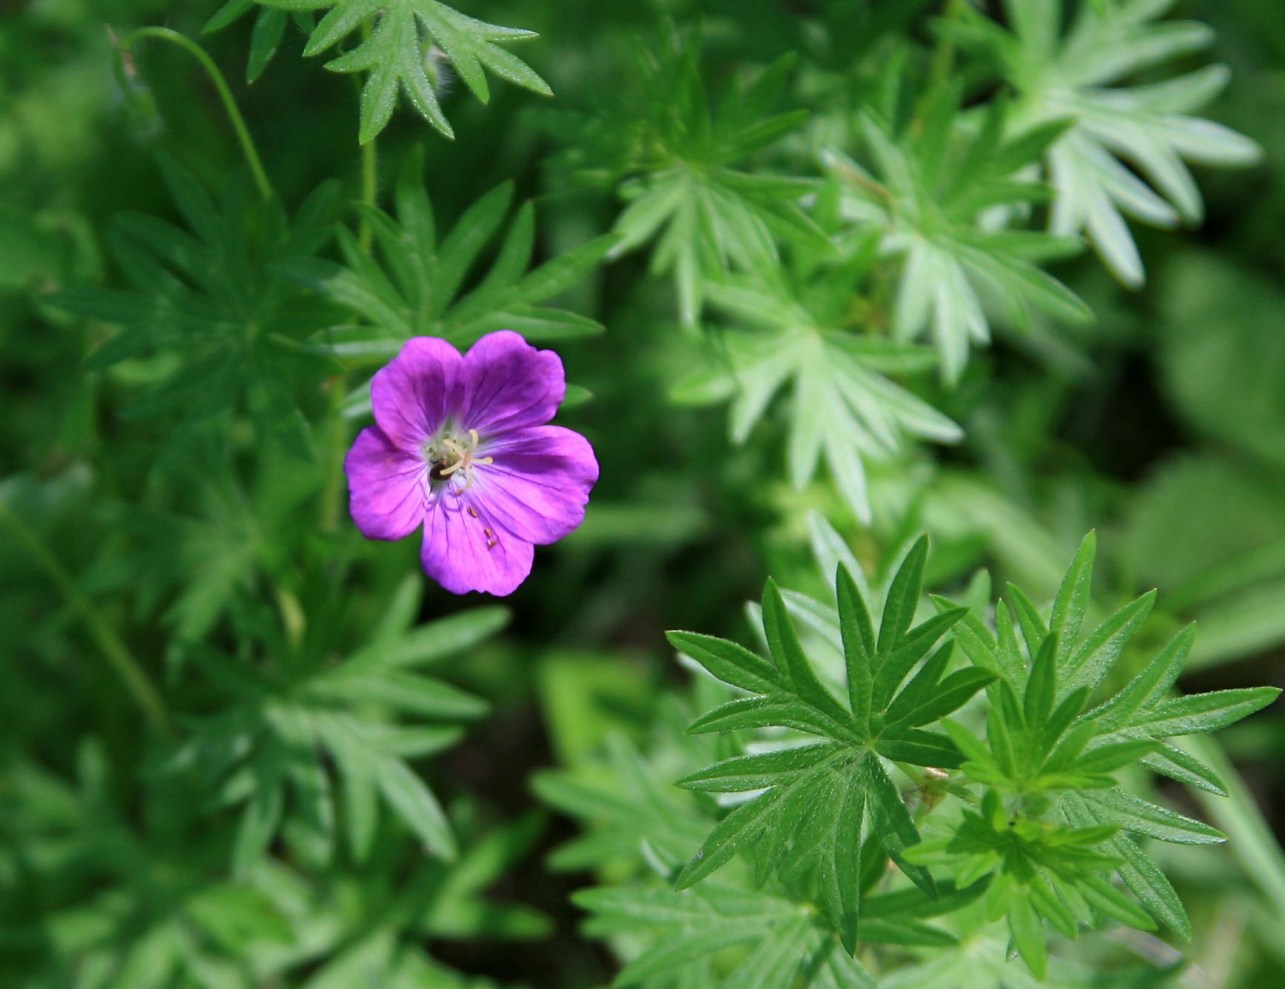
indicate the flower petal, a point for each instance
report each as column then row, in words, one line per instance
column 387, row 487
column 538, row 484
column 508, row 384
column 415, row 392
column 464, row 550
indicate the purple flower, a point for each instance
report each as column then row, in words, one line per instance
column 461, row 446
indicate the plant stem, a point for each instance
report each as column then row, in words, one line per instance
column 220, row 84
column 944, row 57
column 136, row 681
column 369, row 191
column 369, row 166
column 337, row 433
column 332, row 495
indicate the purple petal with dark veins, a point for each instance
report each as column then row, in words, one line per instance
column 463, row 552
column 505, row 384
column 387, row 487
column 538, row 485
column 416, row 391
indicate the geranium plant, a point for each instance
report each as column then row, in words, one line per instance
column 404, row 398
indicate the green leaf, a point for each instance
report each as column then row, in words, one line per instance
column 397, row 59
column 1041, row 685
column 751, row 712
column 927, row 702
column 225, row 15
column 727, row 661
column 1093, row 658
column 269, row 27
column 1123, row 147
column 1034, row 631
column 1028, row 934
column 859, row 646
column 753, row 772
column 624, row 802
column 785, row 648
column 1143, row 817
column 211, row 289
column 428, row 697
column 693, row 924
column 894, row 665
column 841, row 409
column 895, row 827
column 927, row 184
column 1149, row 686
column 1205, row 712
column 742, row 826
column 394, row 647
column 707, row 217
column 919, row 748
column 416, row 805
column 1073, row 598
column 1102, row 759
column 284, row 743
column 1185, row 768
column 1143, row 877
column 903, row 598
column 411, row 286
column 840, row 876
column 824, row 785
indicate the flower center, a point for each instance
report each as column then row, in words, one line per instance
column 452, row 452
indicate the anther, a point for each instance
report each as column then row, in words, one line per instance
column 472, row 511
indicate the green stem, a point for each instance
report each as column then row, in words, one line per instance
column 220, row 84
column 369, row 191
column 944, row 58
column 117, row 654
column 369, row 166
column 332, row 494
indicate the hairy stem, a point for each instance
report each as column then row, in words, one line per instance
column 126, row 66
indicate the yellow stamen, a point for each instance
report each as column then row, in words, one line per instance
column 455, row 456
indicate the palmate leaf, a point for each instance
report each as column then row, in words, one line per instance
column 1125, row 150
column 215, row 545
column 707, row 221
column 690, row 926
column 806, row 820
column 842, row 403
column 1042, row 871
column 126, row 899
column 623, row 805
column 1047, row 749
column 412, row 287
column 209, row 291
column 269, row 29
column 291, row 736
column 926, row 196
column 1040, row 735
column 683, row 189
column 398, row 54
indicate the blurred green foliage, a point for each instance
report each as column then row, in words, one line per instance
column 222, row 762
